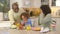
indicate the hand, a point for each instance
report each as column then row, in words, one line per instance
column 21, row 27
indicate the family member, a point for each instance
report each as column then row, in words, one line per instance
column 14, row 13
column 45, row 18
column 25, row 19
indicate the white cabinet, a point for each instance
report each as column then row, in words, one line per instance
column 20, row 2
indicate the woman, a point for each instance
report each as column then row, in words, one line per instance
column 14, row 13
column 45, row 18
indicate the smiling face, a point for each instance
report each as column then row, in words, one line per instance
column 15, row 7
column 24, row 18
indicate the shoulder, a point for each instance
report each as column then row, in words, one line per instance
column 48, row 15
column 11, row 10
column 21, row 10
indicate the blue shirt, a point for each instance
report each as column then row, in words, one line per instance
column 28, row 22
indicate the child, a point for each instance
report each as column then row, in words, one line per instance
column 25, row 19
column 45, row 18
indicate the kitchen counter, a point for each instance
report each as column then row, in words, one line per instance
column 15, row 31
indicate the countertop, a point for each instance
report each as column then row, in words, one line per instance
column 15, row 31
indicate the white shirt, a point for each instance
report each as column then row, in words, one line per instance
column 15, row 16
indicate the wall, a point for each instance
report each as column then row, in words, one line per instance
column 20, row 2
column 34, row 3
column 54, row 10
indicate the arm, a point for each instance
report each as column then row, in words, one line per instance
column 41, row 17
column 47, row 18
column 10, row 15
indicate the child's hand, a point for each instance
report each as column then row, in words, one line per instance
column 21, row 26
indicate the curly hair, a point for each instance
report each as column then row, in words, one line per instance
column 45, row 9
column 25, row 15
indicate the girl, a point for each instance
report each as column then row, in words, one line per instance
column 45, row 18
column 25, row 19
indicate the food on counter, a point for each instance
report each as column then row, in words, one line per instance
column 17, row 24
column 20, row 27
column 13, row 26
column 36, row 28
column 28, row 28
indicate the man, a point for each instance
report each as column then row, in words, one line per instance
column 14, row 13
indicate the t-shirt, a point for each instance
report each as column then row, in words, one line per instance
column 15, row 16
column 28, row 22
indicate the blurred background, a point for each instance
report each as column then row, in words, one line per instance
column 6, row 5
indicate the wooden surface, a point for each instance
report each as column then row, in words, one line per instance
column 14, row 31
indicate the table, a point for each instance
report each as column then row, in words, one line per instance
column 15, row 31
